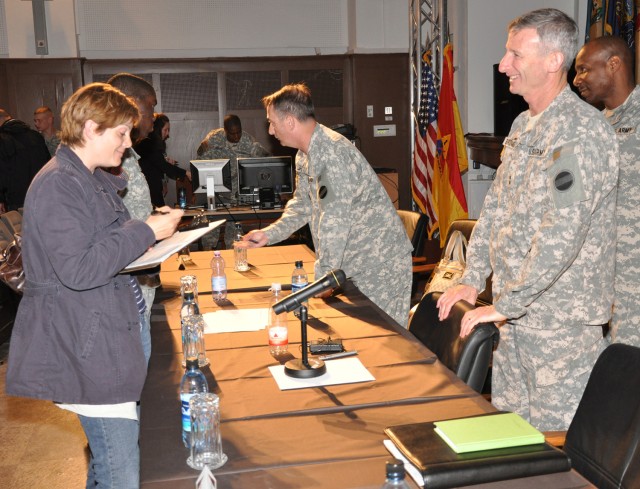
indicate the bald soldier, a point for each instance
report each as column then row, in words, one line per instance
column 604, row 76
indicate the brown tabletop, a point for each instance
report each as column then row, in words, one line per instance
column 324, row 437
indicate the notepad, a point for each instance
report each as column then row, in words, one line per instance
column 487, row 432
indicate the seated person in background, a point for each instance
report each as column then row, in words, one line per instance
column 233, row 143
column 230, row 142
column 154, row 161
column 43, row 120
column 353, row 222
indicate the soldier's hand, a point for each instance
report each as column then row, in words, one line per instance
column 453, row 295
column 255, row 239
column 486, row 314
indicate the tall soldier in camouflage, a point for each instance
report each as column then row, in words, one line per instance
column 547, row 231
column 353, row 222
column 604, row 76
column 230, row 142
column 136, row 197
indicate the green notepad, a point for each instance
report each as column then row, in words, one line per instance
column 487, row 432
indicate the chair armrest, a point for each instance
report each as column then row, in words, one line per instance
column 555, row 438
column 418, row 259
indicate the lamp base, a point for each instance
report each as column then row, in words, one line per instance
column 295, row 368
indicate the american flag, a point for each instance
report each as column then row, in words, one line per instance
column 425, row 148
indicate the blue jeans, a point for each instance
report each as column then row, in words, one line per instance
column 115, row 456
column 145, row 335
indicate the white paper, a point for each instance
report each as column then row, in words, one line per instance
column 340, row 371
column 167, row 247
column 235, row 320
column 409, row 468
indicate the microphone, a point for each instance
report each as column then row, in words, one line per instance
column 332, row 279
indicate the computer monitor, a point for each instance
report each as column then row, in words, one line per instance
column 203, row 170
column 271, row 172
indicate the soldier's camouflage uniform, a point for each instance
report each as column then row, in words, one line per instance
column 625, row 324
column 547, row 231
column 52, row 144
column 353, row 222
column 137, row 200
column 216, row 146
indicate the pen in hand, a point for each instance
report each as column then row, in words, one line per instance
column 158, row 212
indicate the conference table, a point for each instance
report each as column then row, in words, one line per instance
column 319, row 437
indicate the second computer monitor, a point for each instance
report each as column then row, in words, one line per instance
column 274, row 172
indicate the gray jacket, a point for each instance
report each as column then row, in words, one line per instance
column 76, row 337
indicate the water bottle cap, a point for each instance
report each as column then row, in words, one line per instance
column 216, row 253
column 395, row 468
column 299, row 264
column 276, row 286
column 191, row 363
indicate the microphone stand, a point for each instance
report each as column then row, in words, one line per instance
column 304, row 368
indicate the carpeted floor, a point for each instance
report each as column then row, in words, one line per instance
column 41, row 445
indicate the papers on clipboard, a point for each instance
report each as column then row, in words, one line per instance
column 167, row 247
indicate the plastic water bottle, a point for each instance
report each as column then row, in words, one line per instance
column 395, row 475
column 299, row 281
column 218, row 278
column 193, row 382
column 182, row 198
column 189, row 290
column 277, row 327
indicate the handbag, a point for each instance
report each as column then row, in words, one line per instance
column 11, row 271
column 449, row 270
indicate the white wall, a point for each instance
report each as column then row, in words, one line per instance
column 129, row 29
column 61, row 30
column 483, row 46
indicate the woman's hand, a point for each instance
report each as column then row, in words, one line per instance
column 164, row 221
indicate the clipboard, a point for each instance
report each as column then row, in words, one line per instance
column 164, row 249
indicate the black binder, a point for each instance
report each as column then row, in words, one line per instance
column 443, row 468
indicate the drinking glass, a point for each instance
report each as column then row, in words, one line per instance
column 206, row 440
column 240, row 259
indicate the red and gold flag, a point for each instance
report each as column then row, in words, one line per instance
column 451, row 158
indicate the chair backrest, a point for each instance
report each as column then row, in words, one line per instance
column 13, row 220
column 465, row 226
column 469, row 357
column 603, row 440
column 415, row 224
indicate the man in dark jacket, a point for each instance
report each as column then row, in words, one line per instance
column 22, row 153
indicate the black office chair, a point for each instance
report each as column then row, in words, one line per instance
column 603, row 440
column 469, row 357
column 415, row 224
